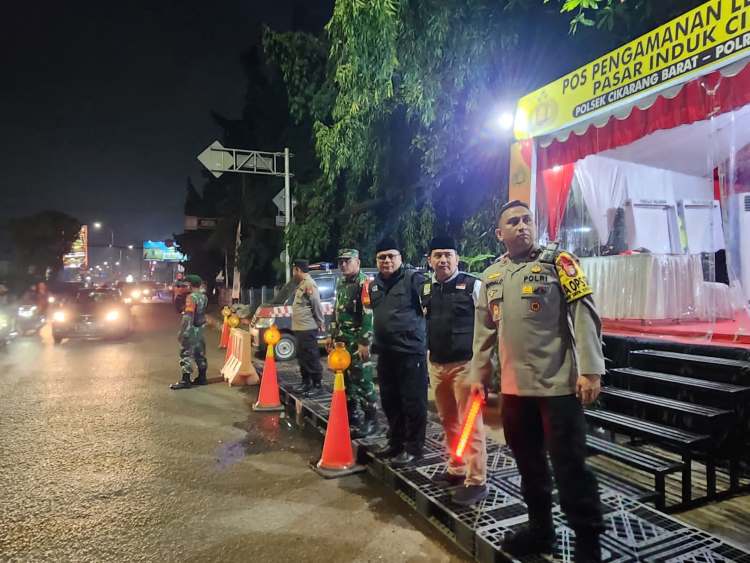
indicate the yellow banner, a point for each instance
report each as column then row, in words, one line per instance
column 695, row 43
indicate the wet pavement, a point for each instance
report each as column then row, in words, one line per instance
column 100, row 461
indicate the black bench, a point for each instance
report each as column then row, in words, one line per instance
column 699, row 418
column 657, row 466
column 682, row 441
column 729, row 395
column 692, row 365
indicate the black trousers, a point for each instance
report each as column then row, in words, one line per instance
column 403, row 394
column 530, row 424
column 308, row 356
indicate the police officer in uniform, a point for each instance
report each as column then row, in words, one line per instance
column 448, row 299
column 399, row 330
column 352, row 325
column 307, row 322
column 536, row 307
column 190, row 337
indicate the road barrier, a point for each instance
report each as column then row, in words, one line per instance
column 238, row 368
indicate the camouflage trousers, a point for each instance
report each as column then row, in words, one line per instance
column 359, row 380
column 193, row 347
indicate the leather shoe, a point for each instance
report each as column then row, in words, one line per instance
column 386, row 451
column 471, row 494
column 181, row 385
column 529, row 540
column 446, row 479
column 199, row 381
column 404, row 459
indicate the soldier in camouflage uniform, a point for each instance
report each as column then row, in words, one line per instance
column 352, row 325
column 190, row 337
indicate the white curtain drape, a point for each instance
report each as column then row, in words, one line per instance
column 604, row 189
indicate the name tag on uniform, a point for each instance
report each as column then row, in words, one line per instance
column 461, row 286
column 497, row 312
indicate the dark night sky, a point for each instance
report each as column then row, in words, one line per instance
column 105, row 105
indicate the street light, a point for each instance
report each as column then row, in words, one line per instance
column 131, row 247
column 98, row 226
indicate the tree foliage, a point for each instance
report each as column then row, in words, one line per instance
column 399, row 95
column 41, row 240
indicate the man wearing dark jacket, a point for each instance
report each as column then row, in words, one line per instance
column 400, row 341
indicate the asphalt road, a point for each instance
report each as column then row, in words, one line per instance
column 100, row 461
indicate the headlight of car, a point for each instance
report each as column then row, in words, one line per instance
column 264, row 322
column 112, row 315
column 135, row 294
column 58, row 316
column 26, row 312
column 146, row 292
column 127, row 300
column 51, row 299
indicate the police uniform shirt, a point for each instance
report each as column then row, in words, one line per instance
column 307, row 310
column 540, row 313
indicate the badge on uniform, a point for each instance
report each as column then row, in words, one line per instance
column 572, row 279
column 536, row 268
column 527, row 290
column 497, row 312
column 374, row 287
column 535, row 306
column 460, row 286
column 427, row 288
column 495, row 276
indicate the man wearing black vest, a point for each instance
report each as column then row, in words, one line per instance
column 448, row 299
column 399, row 340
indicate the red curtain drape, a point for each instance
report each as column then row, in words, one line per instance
column 699, row 99
column 557, row 182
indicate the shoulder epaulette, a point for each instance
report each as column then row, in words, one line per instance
column 550, row 252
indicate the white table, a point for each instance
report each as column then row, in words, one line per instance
column 655, row 287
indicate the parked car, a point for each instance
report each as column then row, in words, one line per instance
column 279, row 312
column 7, row 324
column 92, row 313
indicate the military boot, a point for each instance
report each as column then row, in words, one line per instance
column 369, row 425
column 184, row 384
column 201, row 379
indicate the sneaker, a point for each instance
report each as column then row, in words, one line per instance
column 470, row 494
column 314, row 391
column 445, row 479
column 529, row 541
column 405, row 459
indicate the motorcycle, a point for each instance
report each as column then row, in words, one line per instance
column 29, row 319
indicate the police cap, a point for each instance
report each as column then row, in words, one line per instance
column 302, row 265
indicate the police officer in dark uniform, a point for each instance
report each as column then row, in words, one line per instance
column 190, row 337
column 448, row 299
column 399, row 340
column 537, row 308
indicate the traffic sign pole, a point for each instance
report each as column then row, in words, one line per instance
column 219, row 159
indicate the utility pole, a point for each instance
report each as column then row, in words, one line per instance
column 287, row 213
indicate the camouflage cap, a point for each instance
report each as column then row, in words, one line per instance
column 348, row 253
column 194, row 280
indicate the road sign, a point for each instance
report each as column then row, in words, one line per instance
column 219, row 159
column 280, row 221
column 280, row 201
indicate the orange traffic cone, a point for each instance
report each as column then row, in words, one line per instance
column 268, row 396
column 225, row 329
column 337, row 458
